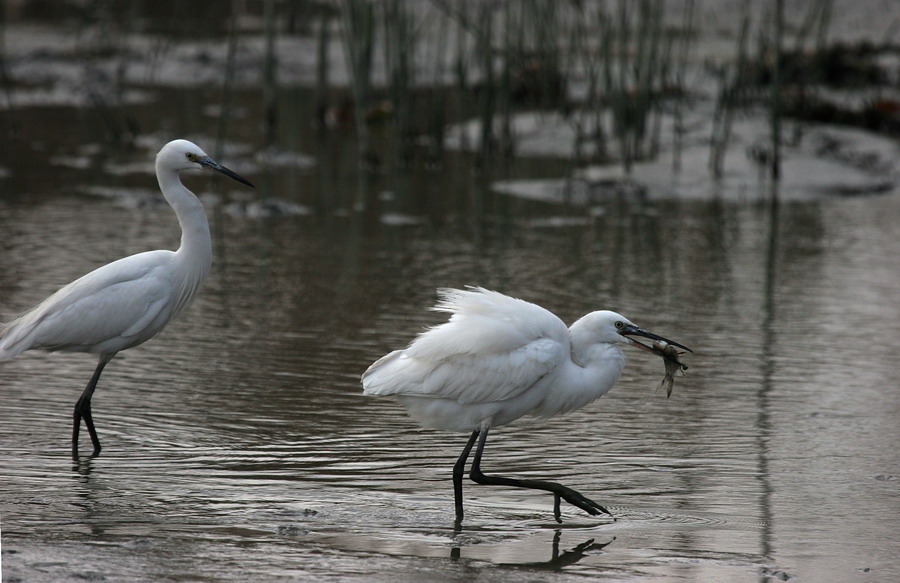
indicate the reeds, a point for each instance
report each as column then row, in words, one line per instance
column 515, row 55
column 776, row 88
column 6, row 83
column 270, row 79
column 682, row 51
column 322, row 67
column 399, row 52
column 227, row 84
column 627, row 59
column 358, row 35
column 731, row 86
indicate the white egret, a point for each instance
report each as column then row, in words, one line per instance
column 126, row 302
column 499, row 358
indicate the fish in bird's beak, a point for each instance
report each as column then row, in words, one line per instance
column 210, row 163
column 631, row 330
column 661, row 347
column 673, row 365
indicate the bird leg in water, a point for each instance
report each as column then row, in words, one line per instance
column 571, row 496
column 83, row 411
column 458, row 470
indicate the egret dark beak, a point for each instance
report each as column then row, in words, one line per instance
column 210, row 163
column 632, row 330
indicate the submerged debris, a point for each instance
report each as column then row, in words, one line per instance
column 673, row 365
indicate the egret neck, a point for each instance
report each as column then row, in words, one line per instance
column 194, row 256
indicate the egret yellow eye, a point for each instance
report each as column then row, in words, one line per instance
column 191, row 156
column 620, row 324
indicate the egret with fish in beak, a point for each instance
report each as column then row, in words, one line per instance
column 499, row 358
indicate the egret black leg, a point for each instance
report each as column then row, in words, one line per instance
column 558, row 490
column 458, row 470
column 83, row 411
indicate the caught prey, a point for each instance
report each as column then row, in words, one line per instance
column 673, row 365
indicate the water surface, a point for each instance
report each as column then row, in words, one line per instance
column 238, row 446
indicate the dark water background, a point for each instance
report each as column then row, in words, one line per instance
column 238, row 445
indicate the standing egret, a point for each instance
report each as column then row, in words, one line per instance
column 126, row 302
column 497, row 359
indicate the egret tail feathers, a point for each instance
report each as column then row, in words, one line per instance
column 376, row 379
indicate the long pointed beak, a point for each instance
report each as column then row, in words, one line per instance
column 210, row 163
column 632, row 330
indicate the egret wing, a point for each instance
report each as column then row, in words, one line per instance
column 111, row 308
column 464, row 377
column 493, row 348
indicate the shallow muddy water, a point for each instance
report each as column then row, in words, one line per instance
column 238, row 445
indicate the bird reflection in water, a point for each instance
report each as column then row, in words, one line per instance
column 557, row 561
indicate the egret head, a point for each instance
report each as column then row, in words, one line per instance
column 626, row 330
column 181, row 155
column 611, row 328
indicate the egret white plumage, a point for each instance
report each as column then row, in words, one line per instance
column 497, row 359
column 126, row 302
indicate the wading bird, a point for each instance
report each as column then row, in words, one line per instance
column 126, row 302
column 499, row 358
